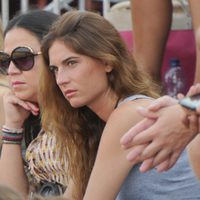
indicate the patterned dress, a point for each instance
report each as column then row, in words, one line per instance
column 44, row 162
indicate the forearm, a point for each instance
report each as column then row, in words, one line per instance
column 12, row 171
column 194, row 154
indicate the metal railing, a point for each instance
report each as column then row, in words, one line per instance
column 55, row 6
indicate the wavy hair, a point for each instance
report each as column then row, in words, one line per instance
column 79, row 129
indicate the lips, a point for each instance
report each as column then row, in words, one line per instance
column 70, row 93
column 17, row 83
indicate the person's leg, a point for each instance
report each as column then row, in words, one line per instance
column 195, row 12
column 151, row 26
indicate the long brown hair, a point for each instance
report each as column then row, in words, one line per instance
column 79, row 129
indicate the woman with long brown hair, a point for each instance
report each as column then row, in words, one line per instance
column 93, row 88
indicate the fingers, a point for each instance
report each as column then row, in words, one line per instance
column 193, row 123
column 180, row 96
column 161, row 160
column 33, row 108
column 198, row 110
column 146, row 165
column 14, row 100
column 162, row 102
column 146, row 113
column 199, row 124
column 164, row 166
column 133, row 155
column 146, row 136
column 174, row 158
column 128, row 137
column 195, row 89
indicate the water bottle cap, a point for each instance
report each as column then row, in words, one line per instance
column 174, row 62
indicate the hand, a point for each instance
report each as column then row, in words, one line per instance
column 195, row 89
column 17, row 110
column 146, row 123
column 164, row 147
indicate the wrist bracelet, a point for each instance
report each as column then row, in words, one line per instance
column 12, row 136
column 12, row 130
column 10, row 142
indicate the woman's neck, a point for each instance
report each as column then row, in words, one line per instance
column 104, row 106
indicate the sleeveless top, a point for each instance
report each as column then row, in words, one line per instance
column 43, row 160
column 178, row 183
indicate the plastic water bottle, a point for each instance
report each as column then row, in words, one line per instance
column 174, row 80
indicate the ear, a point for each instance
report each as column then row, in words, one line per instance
column 108, row 68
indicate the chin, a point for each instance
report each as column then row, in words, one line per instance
column 76, row 104
column 26, row 96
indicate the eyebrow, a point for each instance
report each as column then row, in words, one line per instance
column 67, row 59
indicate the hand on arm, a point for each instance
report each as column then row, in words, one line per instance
column 167, row 136
column 150, row 118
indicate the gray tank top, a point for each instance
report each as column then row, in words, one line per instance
column 178, row 183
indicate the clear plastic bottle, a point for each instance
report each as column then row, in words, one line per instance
column 174, row 80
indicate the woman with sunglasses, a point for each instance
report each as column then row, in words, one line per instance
column 93, row 87
column 21, row 61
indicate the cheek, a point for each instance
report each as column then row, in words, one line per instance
column 97, row 83
column 32, row 77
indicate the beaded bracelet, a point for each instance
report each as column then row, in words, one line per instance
column 12, row 136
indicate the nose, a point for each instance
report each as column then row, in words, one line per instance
column 12, row 69
column 62, row 77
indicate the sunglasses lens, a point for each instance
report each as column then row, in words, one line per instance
column 4, row 62
column 23, row 58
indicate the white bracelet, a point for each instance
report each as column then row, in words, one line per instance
column 12, row 130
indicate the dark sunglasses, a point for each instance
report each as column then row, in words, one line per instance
column 22, row 57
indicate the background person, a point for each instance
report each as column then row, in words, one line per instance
column 155, row 31
column 21, row 61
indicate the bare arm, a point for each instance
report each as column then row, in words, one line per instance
column 11, row 164
column 102, row 183
column 193, row 147
column 164, row 147
column 12, row 170
column 195, row 7
column 159, row 15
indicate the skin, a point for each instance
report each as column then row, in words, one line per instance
column 3, row 91
column 71, row 72
column 194, row 9
column 76, row 88
column 193, row 147
column 18, row 104
column 164, row 149
column 151, row 35
column 28, row 89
